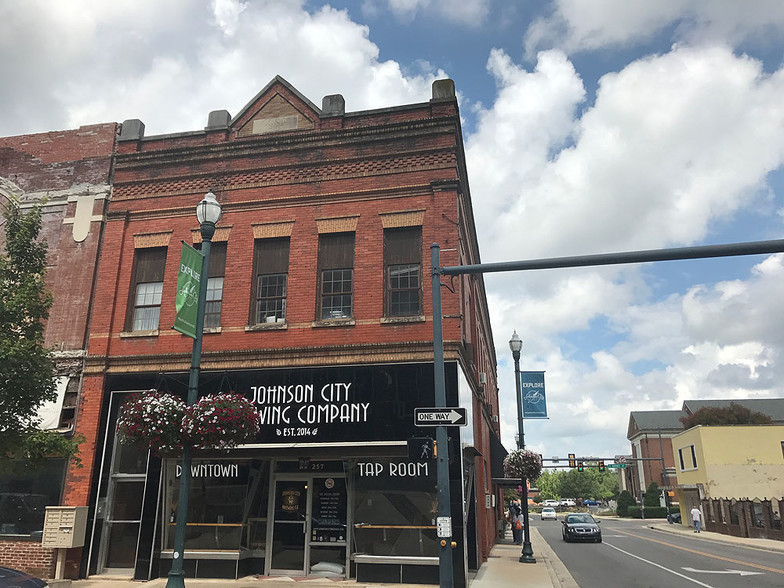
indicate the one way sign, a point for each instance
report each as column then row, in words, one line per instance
column 437, row 417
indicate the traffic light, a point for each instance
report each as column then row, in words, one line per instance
column 601, row 465
column 571, row 460
column 580, row 467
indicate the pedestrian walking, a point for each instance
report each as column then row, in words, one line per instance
column 696, row 517
column 516, row 520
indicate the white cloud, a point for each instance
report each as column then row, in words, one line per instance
column 465, row 12
column 200, row 56
column 575, row 25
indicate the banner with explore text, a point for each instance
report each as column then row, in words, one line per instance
column 188, row 282
column 533, row 395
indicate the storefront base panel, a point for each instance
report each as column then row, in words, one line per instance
column 230, row 569
column 398, row 573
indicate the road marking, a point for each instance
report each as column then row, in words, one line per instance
column 739, row 572
column 659, row 566
column 727, row 559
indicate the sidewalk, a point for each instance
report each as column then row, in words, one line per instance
column 501, row 569
column 766, row 544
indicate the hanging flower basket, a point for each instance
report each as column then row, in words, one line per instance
column 222, row 421
column 153, row 419
column 522, row 463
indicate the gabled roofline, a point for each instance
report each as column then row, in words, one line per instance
column 276, row 80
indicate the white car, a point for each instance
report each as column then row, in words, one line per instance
column 549, row 513
column 567, row 502
column 550, row 502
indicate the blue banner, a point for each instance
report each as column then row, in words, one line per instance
column 532, row 395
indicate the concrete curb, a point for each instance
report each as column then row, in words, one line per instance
column 559, row 575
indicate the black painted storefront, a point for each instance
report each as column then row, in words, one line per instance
column 342, row 427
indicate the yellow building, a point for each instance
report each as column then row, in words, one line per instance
column 733, row 461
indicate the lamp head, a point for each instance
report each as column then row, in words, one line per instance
column 515, row 343
column 209, row 209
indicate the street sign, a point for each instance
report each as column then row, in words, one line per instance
column 617, row 465
column 437, row 417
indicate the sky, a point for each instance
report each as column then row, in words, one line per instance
column 589, row 127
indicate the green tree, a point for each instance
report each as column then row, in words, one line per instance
column 547, row 484
column 734, row 414
column 625, row 500
column 574, row 484
column 652, row 494
column 27, row 370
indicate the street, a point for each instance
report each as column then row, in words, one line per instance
column 634, row 555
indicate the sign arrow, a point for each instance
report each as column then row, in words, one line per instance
column 738, row 572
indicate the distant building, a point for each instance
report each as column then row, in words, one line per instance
column 651, row 432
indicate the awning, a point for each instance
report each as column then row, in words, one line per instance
column 497, row 455
column 49, row 413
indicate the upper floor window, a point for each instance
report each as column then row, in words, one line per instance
column 688, row 458
column 216, row 271
column 270, row 283
column 144, row 308
column 403, row 271
column 336, row 275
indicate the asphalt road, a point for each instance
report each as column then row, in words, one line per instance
column 635, row 556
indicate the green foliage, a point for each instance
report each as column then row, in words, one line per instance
column 651, row 512
column 734, row 414
column 27, row 371
column 652, row 496
column 625, row 502
column 547, row 484
column 590, row 483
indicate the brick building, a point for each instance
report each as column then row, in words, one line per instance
column 318, row 305
column 69, row 174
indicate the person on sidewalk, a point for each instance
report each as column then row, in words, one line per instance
column 696, row 517
column 516, row 518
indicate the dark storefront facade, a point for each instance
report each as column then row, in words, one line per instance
column 327, row 488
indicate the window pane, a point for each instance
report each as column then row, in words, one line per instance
column 271, row 302
column 146, row 318
column 149, row 294
column 404, row 284
column 212, row 309
column 336, row 290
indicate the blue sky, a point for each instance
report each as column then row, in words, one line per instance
column 590, row 127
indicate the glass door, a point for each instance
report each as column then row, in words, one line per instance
column 328, row 539
column 126, row 492
column 289, row 526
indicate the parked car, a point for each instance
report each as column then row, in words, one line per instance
column 567, row 502
column 580, row 526
column 15, row 579
column 551, row 502
column 590, row 502
column 549, row 513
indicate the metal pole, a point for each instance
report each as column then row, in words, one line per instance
column 177, row 573
column 446, row 579
column 527, row 555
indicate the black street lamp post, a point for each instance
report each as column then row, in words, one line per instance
column 516, row 345
column 208, row 212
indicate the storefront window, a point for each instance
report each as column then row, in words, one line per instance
column 24, row 496
column 227, row 505
column 395, row 508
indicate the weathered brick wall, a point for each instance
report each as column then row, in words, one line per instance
column 29, row 557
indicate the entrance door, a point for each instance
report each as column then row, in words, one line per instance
column 309, row 529
column 124, row 512
column 289, row 526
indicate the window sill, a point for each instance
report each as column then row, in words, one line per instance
column 282, row 326
column 135, row 334
column 342, row 322
column 209, row 330
column 395, row 320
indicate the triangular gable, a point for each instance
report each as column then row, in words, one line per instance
column 279, row 107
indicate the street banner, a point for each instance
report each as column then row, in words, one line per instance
column 188, row 282
column 532, row 395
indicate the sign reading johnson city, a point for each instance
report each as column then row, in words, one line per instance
column 354, row 403
column 532, row 395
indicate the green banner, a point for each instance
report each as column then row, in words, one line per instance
column 188, row 281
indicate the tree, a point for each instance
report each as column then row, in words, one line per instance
column 734, row 414
column 547, row 484
column 576, row 484
column 625, row 500
column 652, row 495
column 27, row 369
